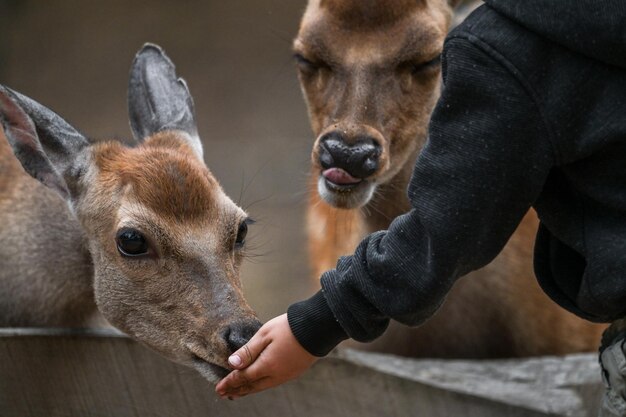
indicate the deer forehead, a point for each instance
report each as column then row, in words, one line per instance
column 368, row 12
column 417, row 32
column 164, row 176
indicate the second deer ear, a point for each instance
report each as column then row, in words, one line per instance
column 158, row 100
column 47, row 146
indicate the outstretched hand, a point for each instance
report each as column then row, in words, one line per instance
column 271, row 357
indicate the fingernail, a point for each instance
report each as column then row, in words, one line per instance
column 234, row 360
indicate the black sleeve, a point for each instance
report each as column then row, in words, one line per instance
column 485, row 162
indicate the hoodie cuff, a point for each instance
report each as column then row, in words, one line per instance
column 314, row 325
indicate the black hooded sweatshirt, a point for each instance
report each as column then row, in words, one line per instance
column 532, row 114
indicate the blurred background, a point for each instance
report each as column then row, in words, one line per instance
column 74, row 56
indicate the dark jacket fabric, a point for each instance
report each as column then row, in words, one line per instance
column 532, row 114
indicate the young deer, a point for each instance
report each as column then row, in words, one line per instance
column 370, row 73
column 143, row 233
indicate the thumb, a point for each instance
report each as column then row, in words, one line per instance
column 248, row 353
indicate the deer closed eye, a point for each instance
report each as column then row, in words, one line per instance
column 308, row 66
column 131, row 243
column 417, row 68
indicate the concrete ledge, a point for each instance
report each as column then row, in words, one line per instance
column 61, row 372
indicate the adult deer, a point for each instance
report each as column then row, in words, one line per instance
column 370, row 73
column 142, row 233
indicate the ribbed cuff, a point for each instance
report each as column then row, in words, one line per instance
column 314, row 325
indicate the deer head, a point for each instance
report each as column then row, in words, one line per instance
column 165, row 240
column 370, row 72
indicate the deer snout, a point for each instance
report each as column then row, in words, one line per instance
column 237, row 334
column 348, row 162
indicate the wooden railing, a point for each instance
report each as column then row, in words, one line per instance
column 64, row 373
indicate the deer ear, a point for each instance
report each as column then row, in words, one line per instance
column 158, row 100
column 46, row 145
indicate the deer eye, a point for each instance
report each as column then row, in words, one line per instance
column 425, row 66
column 131, row 243
column 306, row 65
column 241, row 234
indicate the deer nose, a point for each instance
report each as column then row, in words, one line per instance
column 237, row 334
column 360, row 159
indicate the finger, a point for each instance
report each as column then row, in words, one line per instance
column 235, row 391
column 248, row 353
column 238, row 379
column 254, row 387
column 230, row 383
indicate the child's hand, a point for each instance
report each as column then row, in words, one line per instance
column 273, row 356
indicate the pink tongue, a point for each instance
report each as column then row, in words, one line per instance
column 340, row 177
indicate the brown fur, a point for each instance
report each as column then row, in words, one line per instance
column 35, row 288
column 162, row 185
column 368, row 13
column 164, row 177
column 360, row 82
column 60, row 261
